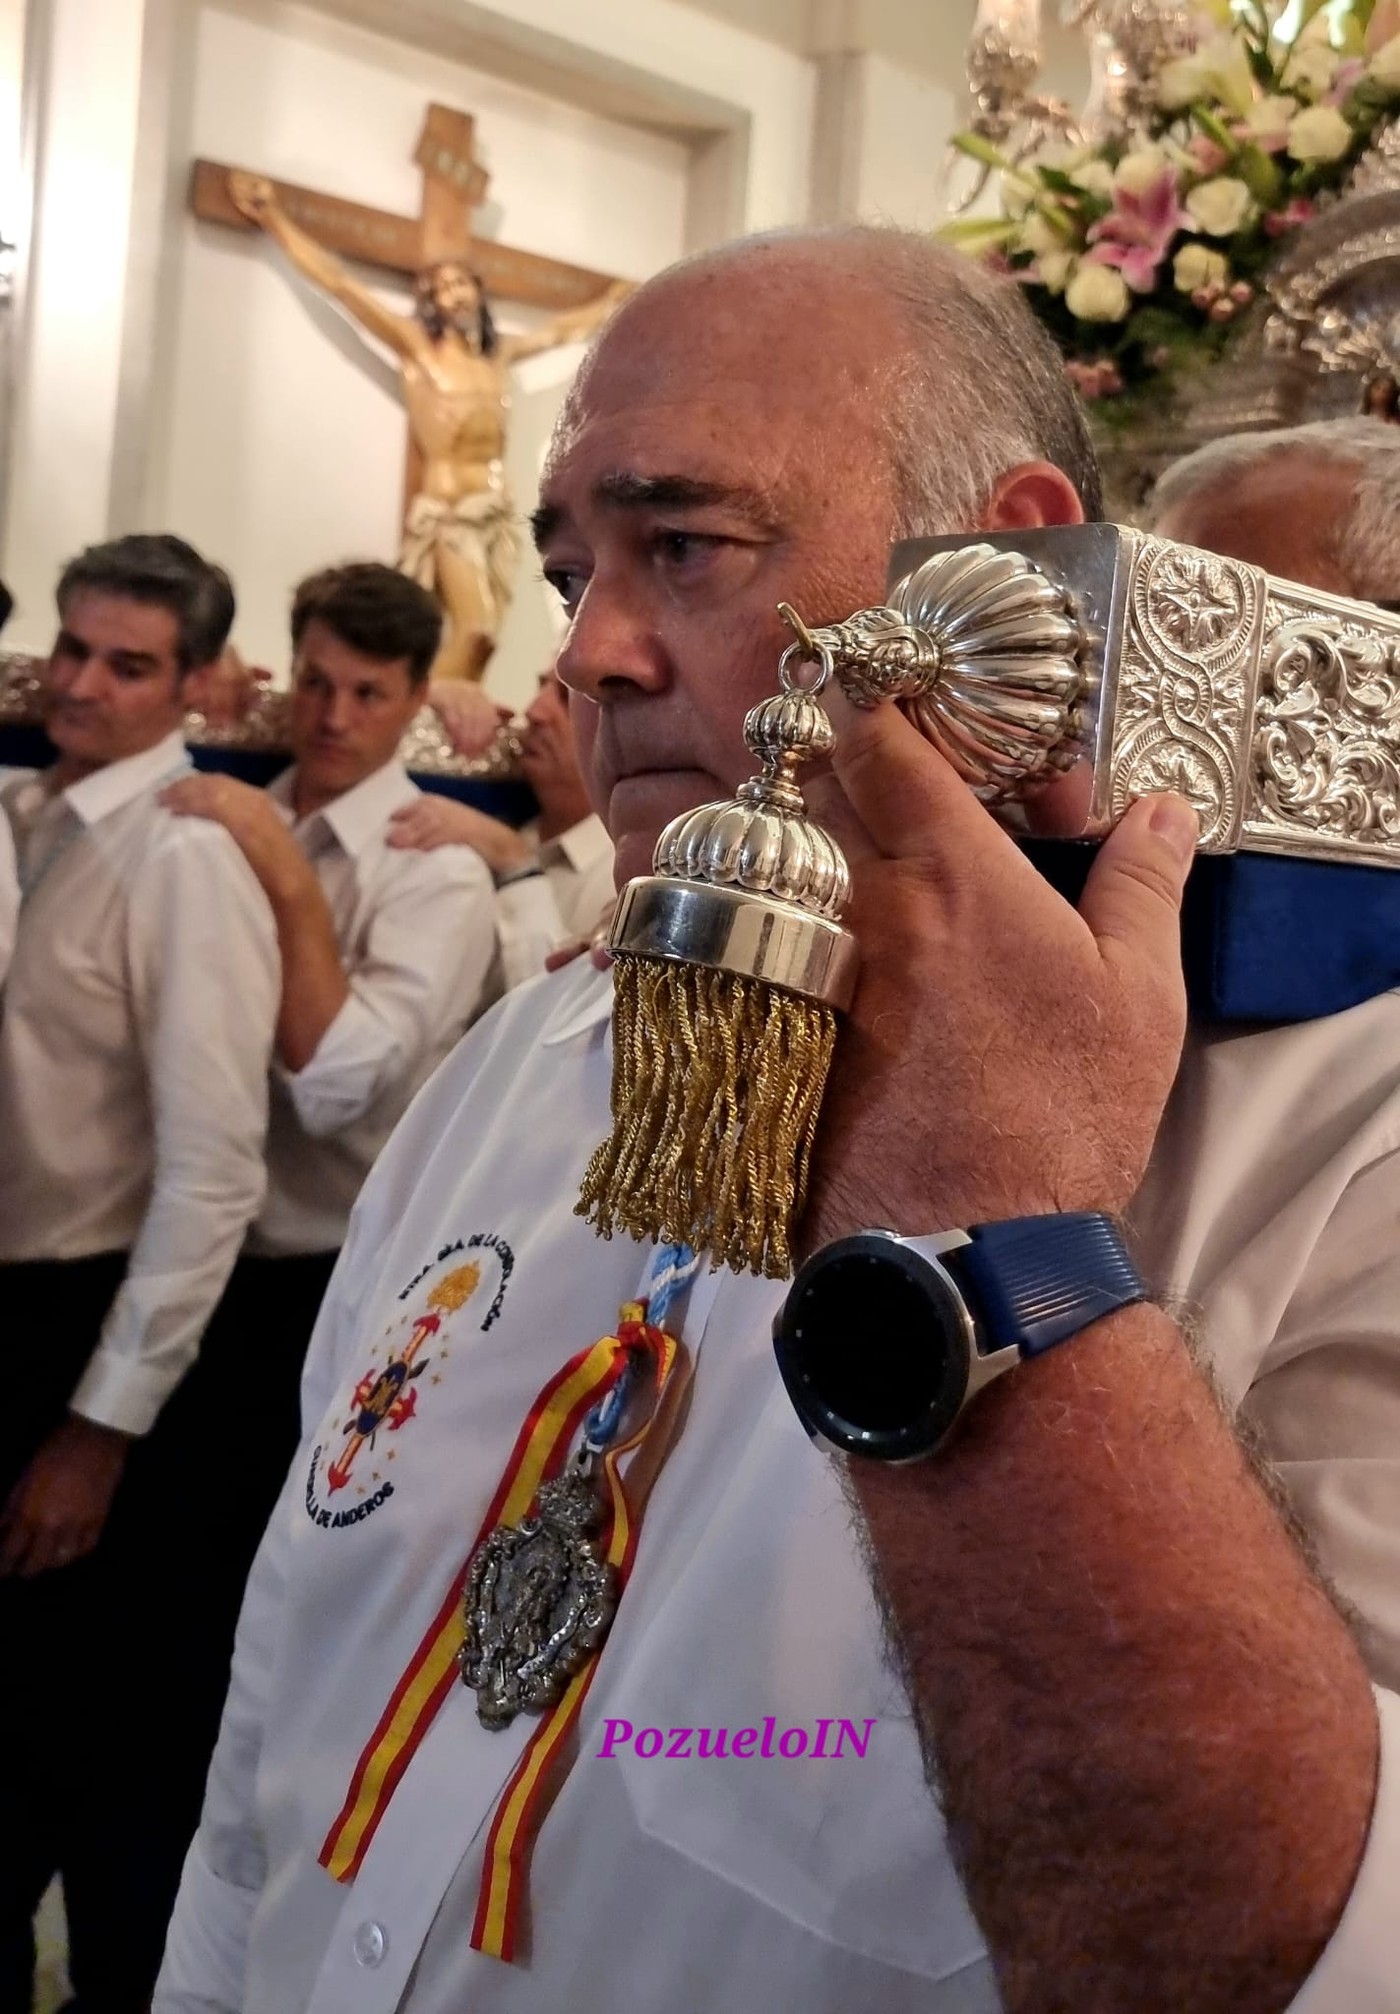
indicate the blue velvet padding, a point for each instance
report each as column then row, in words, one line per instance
column 1265, row 938
column 512, row 803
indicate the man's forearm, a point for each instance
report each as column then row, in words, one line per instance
column 1154, row 1737
column 314, row 986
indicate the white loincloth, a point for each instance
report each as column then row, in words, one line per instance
column 480, row 529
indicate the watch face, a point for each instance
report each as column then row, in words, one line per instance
column 874, row 1345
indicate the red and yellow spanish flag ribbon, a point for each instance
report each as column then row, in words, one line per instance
column 541, row 1449
column 506, row 1866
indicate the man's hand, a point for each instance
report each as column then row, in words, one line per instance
column 595, row 944
column 441, row 821
column 1004, row 1055
column 253, row 196
column 56, row 1511
column 253, row 822
column 472, row 719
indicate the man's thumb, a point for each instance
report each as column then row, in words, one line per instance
column 1132, row 899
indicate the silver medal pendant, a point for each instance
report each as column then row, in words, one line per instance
column 539, row 1597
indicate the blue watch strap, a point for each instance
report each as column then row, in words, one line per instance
column 1039, row 1280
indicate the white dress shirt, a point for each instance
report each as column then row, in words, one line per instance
column 695, row 1884
column 134, row 1045
column 417, row 937
column 540, row 912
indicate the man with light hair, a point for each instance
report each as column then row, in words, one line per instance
column 1318, row 503
column 1163, row 1778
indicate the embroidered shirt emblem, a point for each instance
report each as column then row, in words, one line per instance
column 348, row 1476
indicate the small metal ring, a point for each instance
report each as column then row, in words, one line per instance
column 825, row 661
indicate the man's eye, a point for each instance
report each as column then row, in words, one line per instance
column 678, row 548
column 568, row 583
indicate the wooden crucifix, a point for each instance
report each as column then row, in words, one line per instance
column 460, row 536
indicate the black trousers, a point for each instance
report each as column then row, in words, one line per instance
column 113, row 1671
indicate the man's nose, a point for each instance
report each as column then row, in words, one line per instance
column 89, row 681
column 611, row 642
column 339, row 713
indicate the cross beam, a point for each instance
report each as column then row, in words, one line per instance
column 454, row 183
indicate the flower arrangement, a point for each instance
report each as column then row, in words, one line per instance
column 1141, row 251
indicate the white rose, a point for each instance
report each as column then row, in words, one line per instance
column 1220, row 206
column 1136, row 172
column 1038, row 235
column 1198, row 266
column 1384, row 66
column 1053, row 269
column 1319, row 134
column 1094, row 177
column 1268, row 118
column 1180, row 83
column 1015, row 195
column 1098, row 294
column 1313, row 66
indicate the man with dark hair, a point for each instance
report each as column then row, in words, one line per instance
column 385, row 957
column 376, row 611
column 158, row 570
column 134, row 1046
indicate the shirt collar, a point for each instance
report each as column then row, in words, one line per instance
column 586, row 999
column 582, row 844
column 357, row 817
column 108, row 789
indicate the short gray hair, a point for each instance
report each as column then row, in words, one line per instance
column 983, row 388
column 1366, row 541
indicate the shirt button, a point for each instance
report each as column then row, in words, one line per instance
column 369, row 1945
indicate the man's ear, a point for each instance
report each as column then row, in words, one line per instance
column 1032, row 494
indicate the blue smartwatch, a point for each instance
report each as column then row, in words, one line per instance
column 884, row 1341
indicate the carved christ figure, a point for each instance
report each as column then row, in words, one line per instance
column 460, row 537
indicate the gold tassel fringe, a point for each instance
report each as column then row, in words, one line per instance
column 717, row 1084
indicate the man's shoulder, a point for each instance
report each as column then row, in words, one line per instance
column 185, row 861
column 453, row 865
column 539, row 1030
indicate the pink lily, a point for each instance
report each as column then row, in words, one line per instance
column 1350, row 71
column 1276, row 222
column 1137, row 232
column 1210, row 157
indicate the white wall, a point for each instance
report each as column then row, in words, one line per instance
column 163, row 368
column 280, row 443
column 59, row 451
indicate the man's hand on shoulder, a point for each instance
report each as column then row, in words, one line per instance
column 441, row 821
column 56, row 1511
column 1005, row 1055
column 470, row 717
column 253, row 822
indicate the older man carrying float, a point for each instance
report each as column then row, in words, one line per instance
column 1155, row 1743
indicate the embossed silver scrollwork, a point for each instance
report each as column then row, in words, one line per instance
column 1181, row 692
column 1326, row 751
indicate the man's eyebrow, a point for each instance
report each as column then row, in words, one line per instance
column 622, row 490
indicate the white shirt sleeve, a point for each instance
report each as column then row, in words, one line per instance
column 531, row 925
column 423, row 963
column 1359, row 1972
column 206, row 979
column 1326, row 1407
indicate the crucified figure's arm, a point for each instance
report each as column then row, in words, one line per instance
column 253, row 196
column 574, row 326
